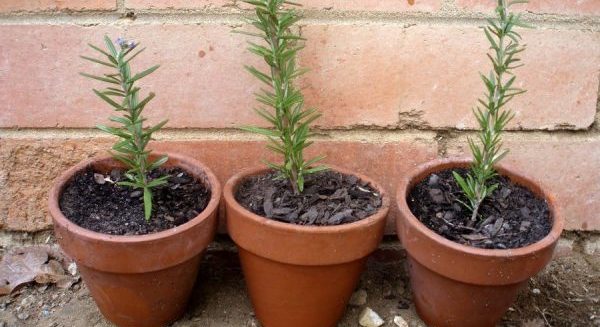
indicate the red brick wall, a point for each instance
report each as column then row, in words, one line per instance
column 395, row 83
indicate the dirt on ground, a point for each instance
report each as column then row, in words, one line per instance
column 566, row 293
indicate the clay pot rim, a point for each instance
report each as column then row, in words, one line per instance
column 60, row 182
column 233, row 182
column 432, row 166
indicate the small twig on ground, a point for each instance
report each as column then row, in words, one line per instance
column 543, row 313
column 561, row 302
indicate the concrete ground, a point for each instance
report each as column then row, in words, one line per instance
column 566, row 293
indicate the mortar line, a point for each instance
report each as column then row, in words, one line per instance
column 360, row 135
column 213, row 134
column 219, row 16
column 120, row 6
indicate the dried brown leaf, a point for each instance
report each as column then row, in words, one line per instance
column 41, row 264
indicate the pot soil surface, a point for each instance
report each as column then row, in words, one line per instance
column 95, row 202
column 329, row 198
column 511, row 217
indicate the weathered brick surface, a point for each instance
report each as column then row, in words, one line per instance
column 47, row 5
column 561, row 7
column 428, row 76
column 367, row 73
column 177, row 4
column 368, row 5
column 28, row 166
column 362, row 75
column 200, row 83
column 567, row 167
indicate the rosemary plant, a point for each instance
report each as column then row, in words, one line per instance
column 123, row 95
column 491, row 113
column 290, row 121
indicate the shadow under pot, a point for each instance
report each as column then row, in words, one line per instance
column 138, row 280
column 460, row 285
column 299, row 275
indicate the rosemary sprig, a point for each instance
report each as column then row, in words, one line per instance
column 491, row 113
column 122, row 94
column 290, row 121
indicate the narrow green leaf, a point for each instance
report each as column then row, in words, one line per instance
column 300, row 183
column 461, row 182
column 108, row 100
column 143, row 74
column 316, row 169
column 262, row 131
column 129, row 184
column 314, row 160
column 147, row 203
column 113, row 131
column 144, row 102
column 158, row 162
column 99, row 61
column 99, row 78
column 151, row 130
column 110, row 57
column 134, row 55
column 158, row 182
column 261, row 76
column 128, row 162
column 110, row 46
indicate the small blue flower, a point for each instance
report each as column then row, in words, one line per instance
column 125, row 44
column 121, row 42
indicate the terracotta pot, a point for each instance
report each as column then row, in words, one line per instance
column 300, row 275
column 459, row 285
column 141, row 280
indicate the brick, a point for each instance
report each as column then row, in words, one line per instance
column 568, row 168
column 384, row 76
column 368, row 5
column 28, row 167
column 47, row 5
column 428, row 76
column 562, row 7
column 177, row 4
column 201, row 82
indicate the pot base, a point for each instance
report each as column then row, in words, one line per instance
column 134, row 300
column 443, row 302
column 285, row 295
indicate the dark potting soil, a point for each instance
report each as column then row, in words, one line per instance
column 329, row 198
column 93, row 202
column 511, row 217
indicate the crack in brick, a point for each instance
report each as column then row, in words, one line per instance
column 596, row 124
column 567, row 126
